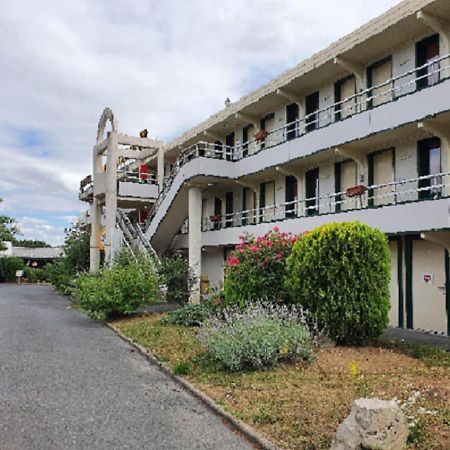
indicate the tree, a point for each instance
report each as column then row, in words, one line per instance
column 29, row 243
column 76, row 250
column 8, row 229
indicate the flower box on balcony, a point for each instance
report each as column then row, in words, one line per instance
column 215, row 218
column 355, row 190
column 260, row 135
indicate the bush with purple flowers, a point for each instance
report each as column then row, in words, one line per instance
column 259, row 336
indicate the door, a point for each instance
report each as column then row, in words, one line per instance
column 429, row 166
column 427, row 50
column 248, row 206
column 267, row 201
column 378, row 74
column 292, row 115
column 394, row 320
column 346, row 178
column 268, row 124
column 142, row 216
column 291, row 196
column 217, row 217
column 381, row 172
column 312, row 108
column 143, row 173
column 312, row 192
column 229, row 146
column 428, row 286
column 229, row 199
column 245, row 134
column 345, row 89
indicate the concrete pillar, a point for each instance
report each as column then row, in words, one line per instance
column 94, row 254
column 110, row 193
column 195, row 240
column 160, row 168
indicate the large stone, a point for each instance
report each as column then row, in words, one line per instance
column 372, row 425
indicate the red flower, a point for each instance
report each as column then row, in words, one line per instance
column 233, row 261
column 276, row 229
column 254, row 249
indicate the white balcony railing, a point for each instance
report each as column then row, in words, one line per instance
column 428, row 187
column 411, row 81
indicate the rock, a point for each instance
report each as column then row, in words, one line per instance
column 372, row 425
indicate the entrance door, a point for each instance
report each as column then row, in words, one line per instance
column 427, row 51
column 429, row 163
column 312, row 192
column 267, row 201
column 312, row 108
column 345, row 89
column 248, row 206
column 428, row 286
column 394, row 319
column 229, row 199
column 378, row 74
column 291, row 196
column 381, row 172
column 346, row 178
column 292, row 114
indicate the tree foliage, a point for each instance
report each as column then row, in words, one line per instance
column 8, row 229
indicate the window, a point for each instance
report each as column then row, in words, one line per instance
column 312, row 108
column 429, row 164
column 427, row 50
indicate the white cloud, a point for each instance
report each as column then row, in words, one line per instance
column 160, row 65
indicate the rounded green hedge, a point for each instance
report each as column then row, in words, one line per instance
column 340, row 272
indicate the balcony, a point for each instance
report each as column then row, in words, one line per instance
column 421, row 189
column 137, row 185
column 86, row 191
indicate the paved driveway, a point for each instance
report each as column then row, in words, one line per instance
column 67, row 382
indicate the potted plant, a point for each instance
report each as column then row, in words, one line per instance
column 354, row 191
column 260, row 135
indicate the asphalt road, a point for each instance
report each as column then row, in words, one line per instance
column 67, row 382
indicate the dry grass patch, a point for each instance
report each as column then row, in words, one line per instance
column 299, row 406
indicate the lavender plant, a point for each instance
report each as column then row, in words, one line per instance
column 259, row 336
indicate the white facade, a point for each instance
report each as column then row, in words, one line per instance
column 360, row 131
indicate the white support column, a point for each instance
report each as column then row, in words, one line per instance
column 160, row 168
column 94, row 253
column 438, row 25
column 111, row 193
column 195, row 240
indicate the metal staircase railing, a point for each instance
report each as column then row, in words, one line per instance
column 134, row 237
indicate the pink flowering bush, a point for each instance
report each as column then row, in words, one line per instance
column 256, row 268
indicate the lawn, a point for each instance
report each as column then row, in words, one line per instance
column 299, row 406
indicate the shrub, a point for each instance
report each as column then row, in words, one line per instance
column 35, row 274
column 187, row 316
column 119, row 290
column 177, row 276
column 258, row 336
column 255, row 269
column 58, row 275
column 8, row 267
column 341, row 272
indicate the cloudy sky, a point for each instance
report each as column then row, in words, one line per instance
column 161, row 65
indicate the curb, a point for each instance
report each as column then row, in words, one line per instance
column 251, row 435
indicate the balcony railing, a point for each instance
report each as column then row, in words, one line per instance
column 135, row 177
column 428, row 75
column 428, row 187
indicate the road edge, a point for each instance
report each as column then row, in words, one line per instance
column 239, row 426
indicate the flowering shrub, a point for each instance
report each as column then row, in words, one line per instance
column 258, row 336
column 256, row 268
